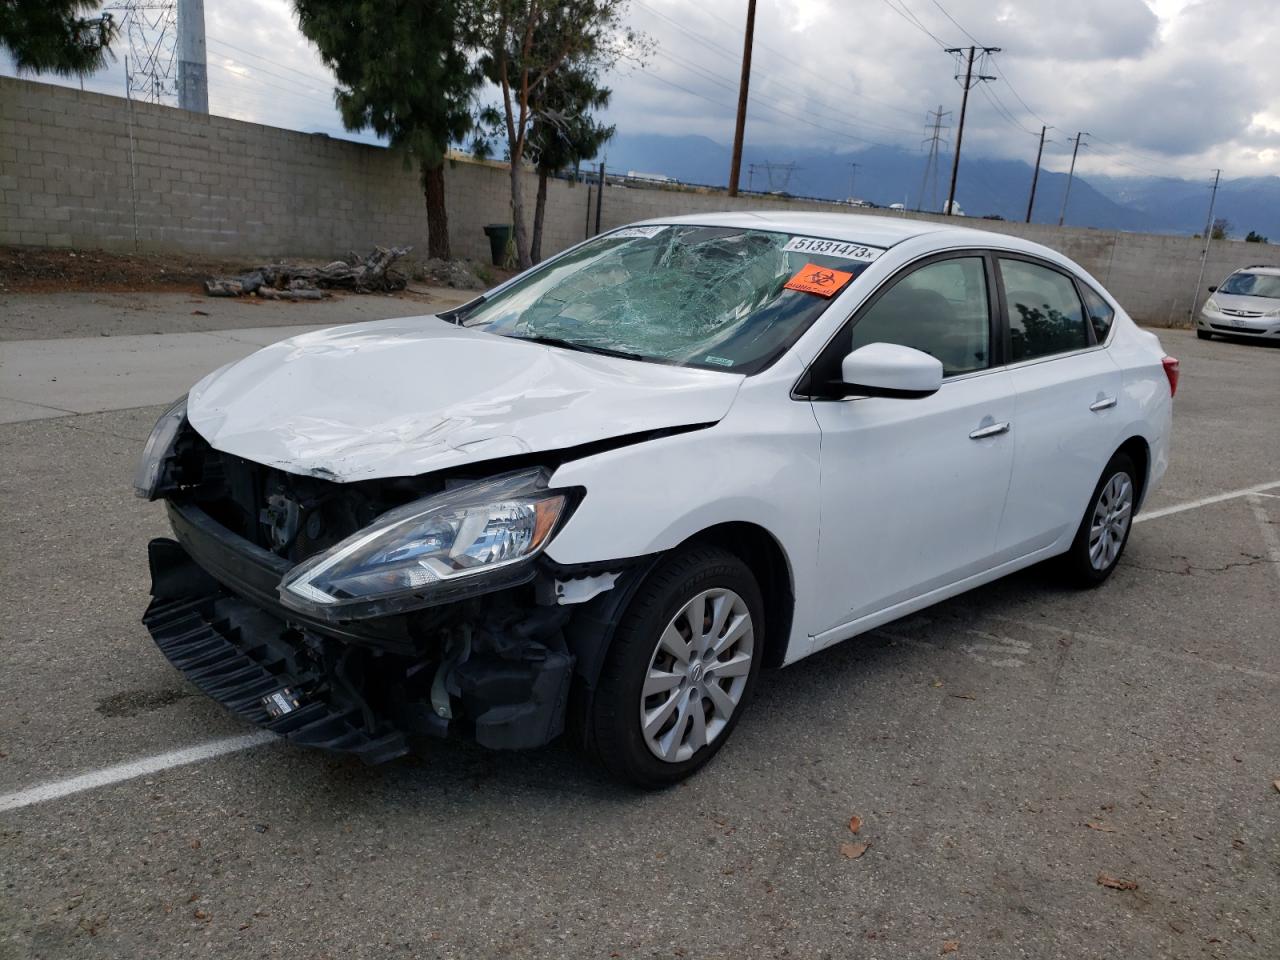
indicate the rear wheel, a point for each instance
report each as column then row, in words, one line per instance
column 1204, row 334
column 1104, row 530
column 681, row 668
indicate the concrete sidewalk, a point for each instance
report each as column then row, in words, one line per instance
column 55, row 378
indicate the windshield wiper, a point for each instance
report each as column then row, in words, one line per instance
column 582, row 347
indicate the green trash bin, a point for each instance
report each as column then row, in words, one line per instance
column 499, row 235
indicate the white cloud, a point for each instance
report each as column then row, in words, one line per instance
column 1166, row 86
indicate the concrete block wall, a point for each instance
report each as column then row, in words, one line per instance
column 85, row 170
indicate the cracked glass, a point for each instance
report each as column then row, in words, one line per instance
column 700, row 296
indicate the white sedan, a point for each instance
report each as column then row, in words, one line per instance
column 602, row 496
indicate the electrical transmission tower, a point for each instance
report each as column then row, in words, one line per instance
column 936, row 142
column 779, row 174
column 166, row 62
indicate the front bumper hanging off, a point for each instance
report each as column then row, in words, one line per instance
column 500, row 676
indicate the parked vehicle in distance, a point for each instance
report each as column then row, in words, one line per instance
column 608, row 492
column 1247, row 304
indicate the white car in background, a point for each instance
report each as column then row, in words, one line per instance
column 1246, row 305
column 605, row 494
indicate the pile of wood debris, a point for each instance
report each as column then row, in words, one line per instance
column 283, row 281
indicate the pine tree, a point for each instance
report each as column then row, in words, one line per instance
column 402, row 73
column 53, row 36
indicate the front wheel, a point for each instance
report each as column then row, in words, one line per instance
column 1104, row 531
column 681, row 668
column 1204, row 334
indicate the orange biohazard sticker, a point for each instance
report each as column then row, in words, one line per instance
column 823, row 281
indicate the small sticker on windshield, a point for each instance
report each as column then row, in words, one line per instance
column 823, row 281
column 633, row 232
column 718, row 361
column 832, row 248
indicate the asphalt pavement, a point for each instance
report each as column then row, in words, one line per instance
column 1009, row 753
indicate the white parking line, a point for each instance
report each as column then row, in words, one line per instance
column 134, row 768
column 1205, row 501
column 217, row 748
column 1268, row 530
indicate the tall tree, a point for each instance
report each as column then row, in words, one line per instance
column 564, row 134
column 55, row 36
column 524, row 44
column 402, row 72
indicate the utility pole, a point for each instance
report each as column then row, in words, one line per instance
column 1208, row 236
column 969, row 80
column 931, row 165
column 1036, row 176
column 853, row 171
column 736, row 163
column 1066, row 195
column 193, row 69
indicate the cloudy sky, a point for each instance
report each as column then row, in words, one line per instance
column 1165, row 87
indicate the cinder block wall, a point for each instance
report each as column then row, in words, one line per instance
column 85, row 170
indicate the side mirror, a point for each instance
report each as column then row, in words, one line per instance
column 890, row 370
column 1213, row 289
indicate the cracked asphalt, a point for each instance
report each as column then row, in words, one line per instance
column 1005, row 751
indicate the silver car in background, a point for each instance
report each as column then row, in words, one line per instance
column 1247, row 304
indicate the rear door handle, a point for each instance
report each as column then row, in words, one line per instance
column 992, row 430
column 1103, row 403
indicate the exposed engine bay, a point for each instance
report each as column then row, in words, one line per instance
column 496, row 666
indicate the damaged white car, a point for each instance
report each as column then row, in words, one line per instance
column 604, row 495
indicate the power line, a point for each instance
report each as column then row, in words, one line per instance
column 914, row 21
column 840, row 117
column 730, row 55
column 258, row 56
column 1017, row 96
column 972, row 38
column 1003, row 112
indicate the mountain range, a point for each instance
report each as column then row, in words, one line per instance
column 986, row 186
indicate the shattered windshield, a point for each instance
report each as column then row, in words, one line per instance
column 723, row 298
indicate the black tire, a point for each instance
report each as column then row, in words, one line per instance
column 1204, row 335
column 614, row 717
column 1077, row 562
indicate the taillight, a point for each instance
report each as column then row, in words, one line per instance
column 1171, row 371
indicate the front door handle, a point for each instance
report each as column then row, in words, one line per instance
column 992, row 430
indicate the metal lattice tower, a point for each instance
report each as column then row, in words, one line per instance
column 151, row 66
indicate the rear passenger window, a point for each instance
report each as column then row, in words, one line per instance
column 1045, row 315
column 942, row 309
column 1100, row 312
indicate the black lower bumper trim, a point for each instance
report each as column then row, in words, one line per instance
column 239, row 656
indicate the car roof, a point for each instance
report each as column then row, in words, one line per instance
column 874, row 231
column 1260, row 268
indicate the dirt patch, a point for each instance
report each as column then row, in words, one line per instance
column 130, row 703
column 36, row 270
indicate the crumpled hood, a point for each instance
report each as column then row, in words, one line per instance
column 404, row 397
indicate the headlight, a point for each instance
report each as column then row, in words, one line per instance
column 1212, row 304
column 474, row 538
column 159, row 445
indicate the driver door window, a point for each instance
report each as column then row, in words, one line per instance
column 942, row 309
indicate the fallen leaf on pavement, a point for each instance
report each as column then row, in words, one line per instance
column 950, row 946
column 962, row 696
column 1276, row 784
column 855, row 823
column 199, row 313
column 1101, row 826
column 852, row 851
column 1114, row 883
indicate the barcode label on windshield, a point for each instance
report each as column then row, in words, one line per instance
column 832, row 248
column 638, row 231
